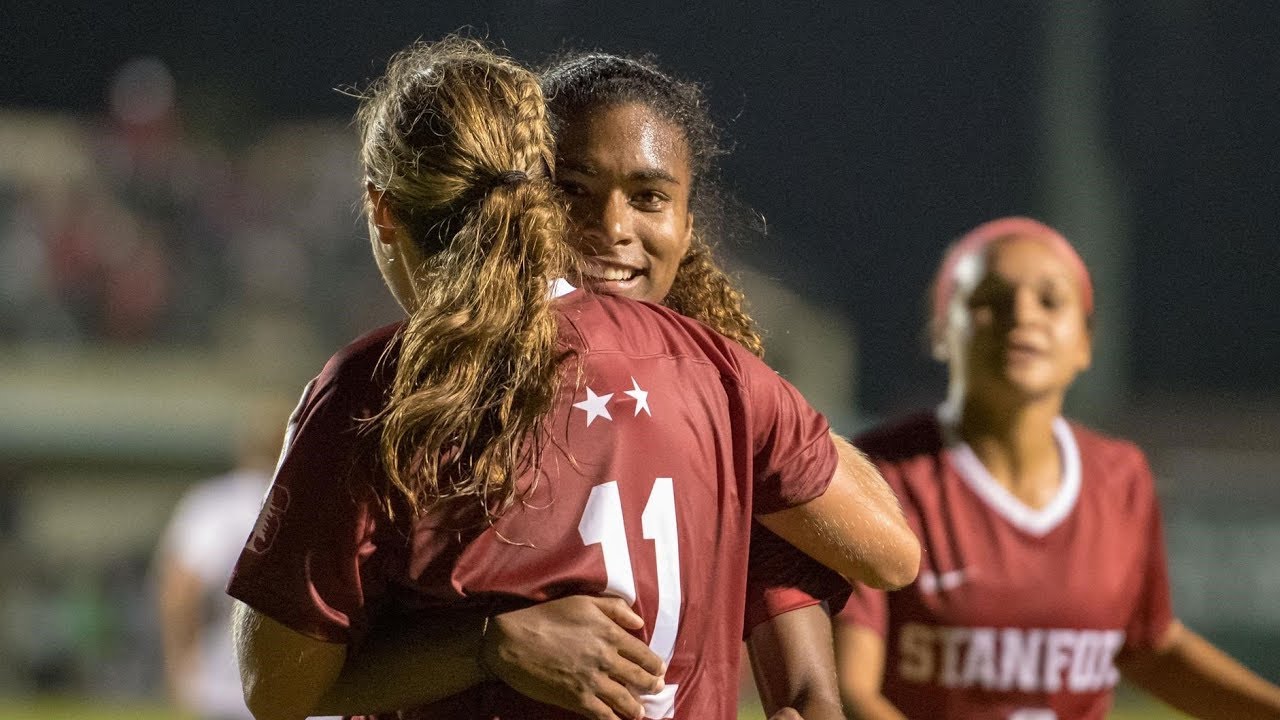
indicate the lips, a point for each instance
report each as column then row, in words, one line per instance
column 1022, row 350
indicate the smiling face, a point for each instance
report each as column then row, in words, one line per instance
column 1017, row 323
column 625, row 171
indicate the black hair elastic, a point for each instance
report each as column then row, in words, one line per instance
column 510, row 177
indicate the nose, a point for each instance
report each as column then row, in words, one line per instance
column 609, row 223
column 1025, row 306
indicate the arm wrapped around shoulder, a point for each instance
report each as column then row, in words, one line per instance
column 856, row 527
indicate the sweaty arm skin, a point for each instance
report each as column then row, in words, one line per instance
column 855, row 528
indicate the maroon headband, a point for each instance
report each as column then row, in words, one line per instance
column 981, row 237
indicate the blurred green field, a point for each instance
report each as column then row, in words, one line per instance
column 79, row 709
column 1138, row 710
column 1135, row 708
column 76, row 709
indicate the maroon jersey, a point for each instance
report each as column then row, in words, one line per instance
column 1017, row 612
column 664, row 440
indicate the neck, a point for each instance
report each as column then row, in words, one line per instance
column 1015, row 442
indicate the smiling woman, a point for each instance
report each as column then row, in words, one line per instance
column 1045, row 577
column 661, row 197
column 626, row 172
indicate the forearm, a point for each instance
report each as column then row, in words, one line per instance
column 284, row 673
column 861, row 653
column 856, row 527
column 795, row 666
column 409, row 667
column 180, row 612
column 873, row 707
column 574, row 652
column 179, row 663
column 817, row 709
column 1192, row 675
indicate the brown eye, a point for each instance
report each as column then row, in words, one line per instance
column 986, row 294
column 649, row 200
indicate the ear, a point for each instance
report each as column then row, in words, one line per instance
column 688, row 232
column 1086, row 353
column 380, row 215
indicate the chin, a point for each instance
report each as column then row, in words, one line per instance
column 1015, row 386
column 1032, row 391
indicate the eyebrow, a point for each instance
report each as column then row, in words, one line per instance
column 653, row 174
column 644, row 174
column 581, row 168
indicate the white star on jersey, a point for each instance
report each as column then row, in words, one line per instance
column 594, row 405
column 641, row 397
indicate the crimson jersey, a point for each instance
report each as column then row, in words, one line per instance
column 665, row 439
column 1017, row 613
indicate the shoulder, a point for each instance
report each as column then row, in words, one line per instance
column 359, row 372
column 912, row 436
column 1112, row 462
column 607, row 324
column 361, row 357
column 1113, row 456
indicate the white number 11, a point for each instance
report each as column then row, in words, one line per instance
column 602, row 524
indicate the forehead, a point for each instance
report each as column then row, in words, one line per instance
column 628, row 135
column 1027, row 258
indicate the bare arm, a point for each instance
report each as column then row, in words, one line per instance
column 1189, row 673
column 180, row 602
column 287, row 675
column 794, row 666
column 861, row 663
column 573, row 652
column 284, row 673
column 855, row 528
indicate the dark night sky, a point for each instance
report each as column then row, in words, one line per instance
column 868, row 135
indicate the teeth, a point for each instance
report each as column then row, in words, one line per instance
column 601, row 272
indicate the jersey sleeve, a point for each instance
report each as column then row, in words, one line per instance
column 867, row 607
column 1153, row 612
column 301, row 565
column 794, row 457
column 780, row 579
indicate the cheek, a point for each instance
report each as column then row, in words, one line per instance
column 1083, row 354
column 1074, row 338
column 667, row 247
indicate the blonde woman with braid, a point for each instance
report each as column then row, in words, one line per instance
column 516, row 440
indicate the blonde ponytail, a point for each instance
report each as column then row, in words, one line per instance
column 456, row 138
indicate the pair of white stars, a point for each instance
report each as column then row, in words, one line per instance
column 597, row 405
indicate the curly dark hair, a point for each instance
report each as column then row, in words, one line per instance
column 702, row 289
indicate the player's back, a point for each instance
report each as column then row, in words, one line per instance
column 650, row 468
column 662, row 441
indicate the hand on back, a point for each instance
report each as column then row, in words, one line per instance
column 576, row 653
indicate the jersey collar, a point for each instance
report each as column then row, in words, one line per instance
column 1019, row 514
